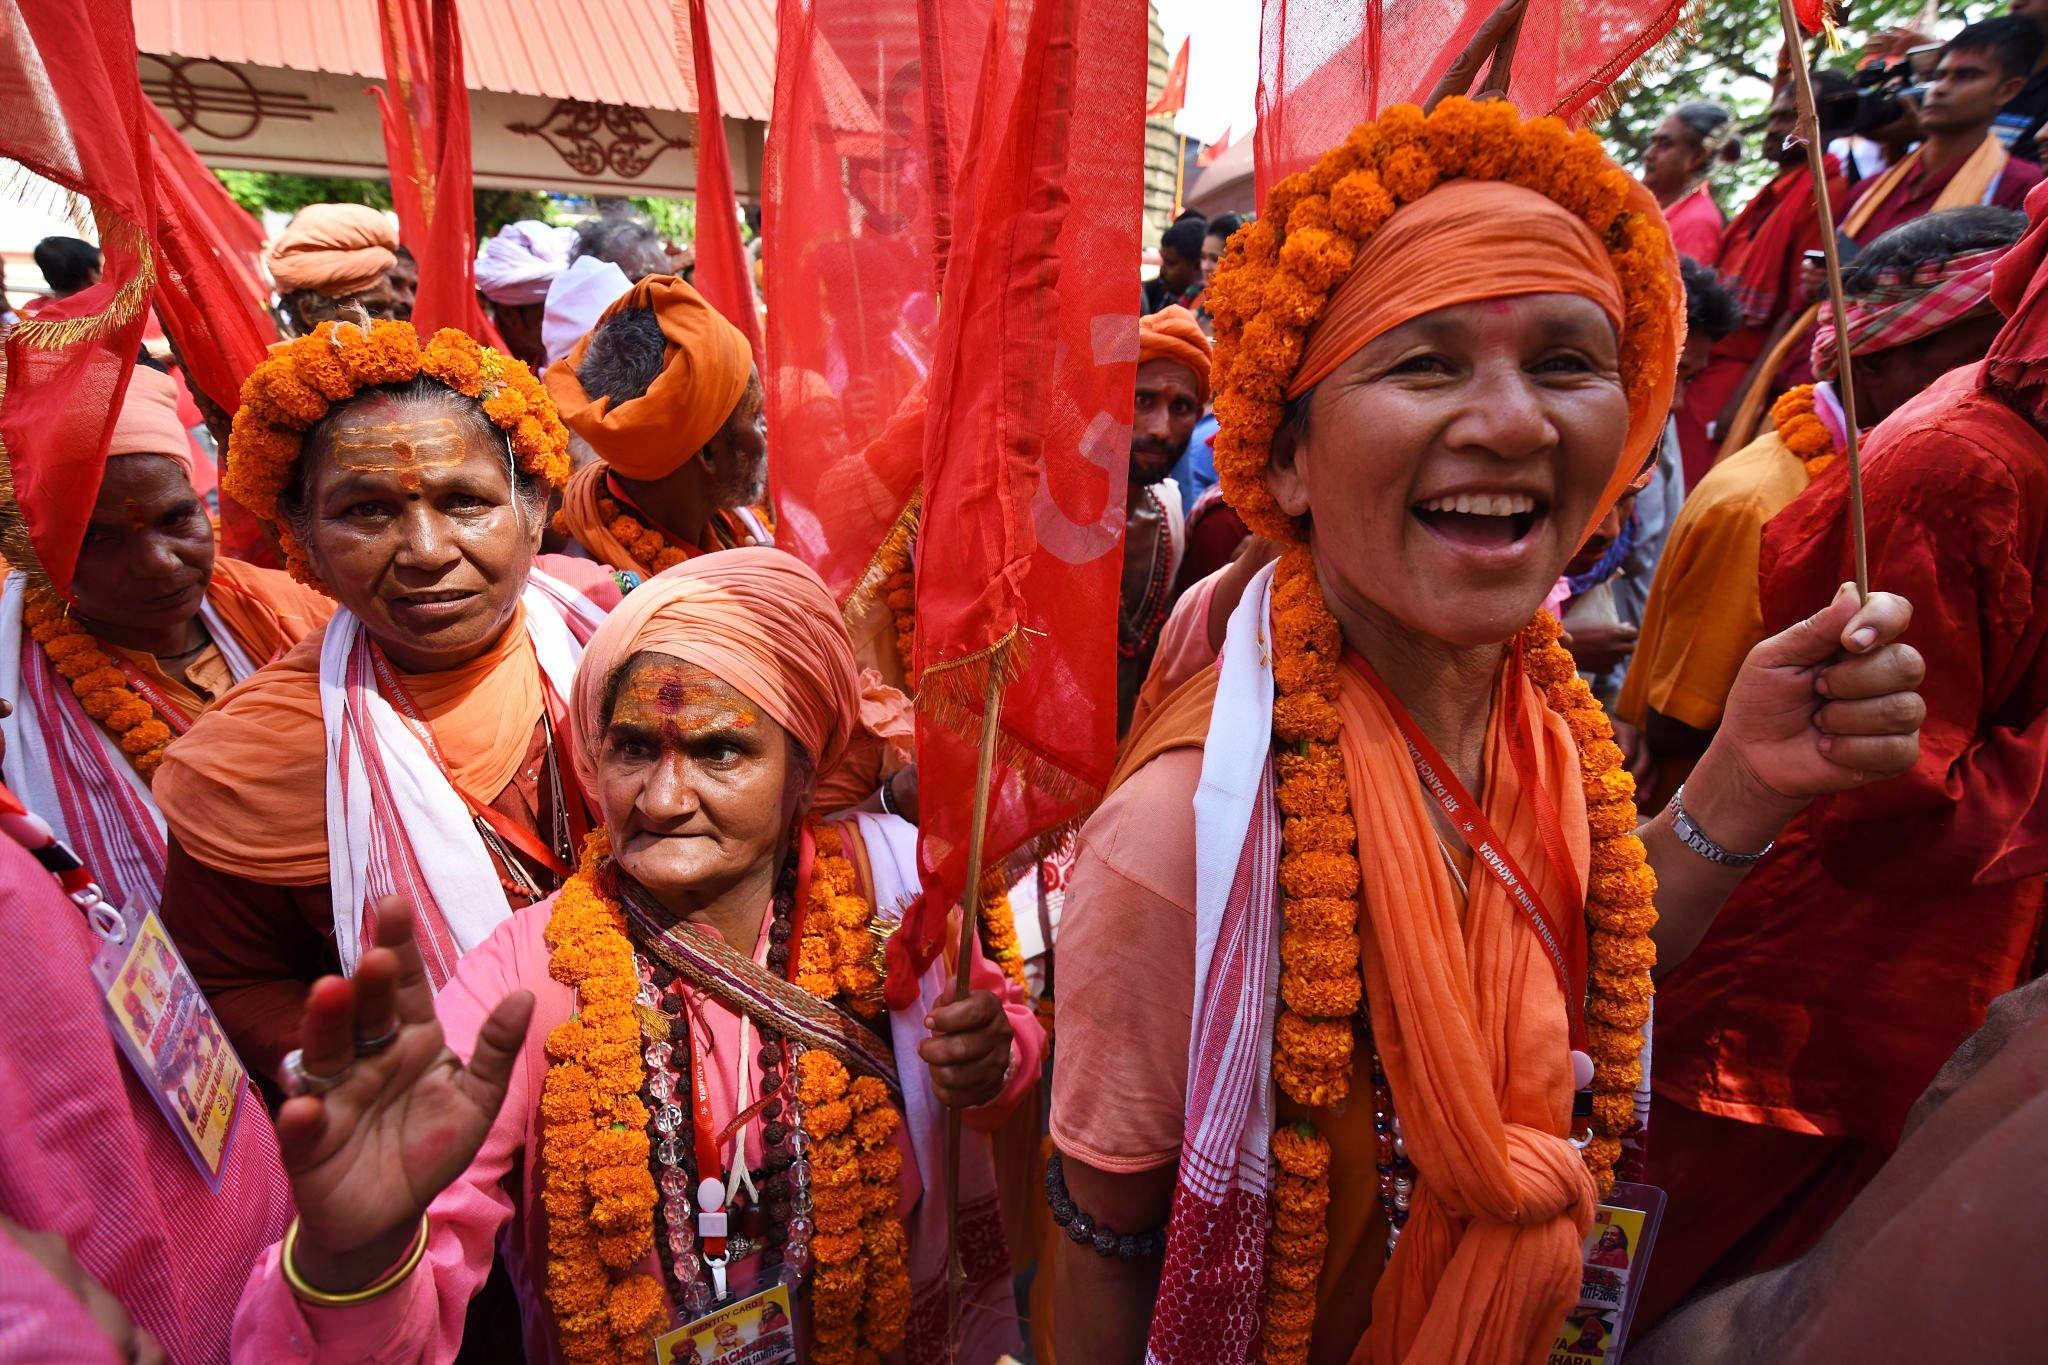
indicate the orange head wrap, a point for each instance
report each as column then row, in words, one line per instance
column 1417, row 212
column 333, row 249
column 703, row 377
column 148, row 421
column 1173, row 334
column 757, row 618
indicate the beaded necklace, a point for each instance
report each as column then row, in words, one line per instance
column 1138, row 630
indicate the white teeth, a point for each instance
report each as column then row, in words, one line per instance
column 1482, row 504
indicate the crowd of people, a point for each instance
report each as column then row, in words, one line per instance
column 481, row 954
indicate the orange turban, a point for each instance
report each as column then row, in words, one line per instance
column 333, row 249
column 703, row 377
column 757, row 618
column 1173, row 334
column 1468, row 240
column 148, row 421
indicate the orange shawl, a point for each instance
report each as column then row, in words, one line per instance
column 1470, row 1025
column 245, row 790
column 587, row 525
column 267, row 611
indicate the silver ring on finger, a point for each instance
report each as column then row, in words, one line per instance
column 299, row 1081
column 370, row 1047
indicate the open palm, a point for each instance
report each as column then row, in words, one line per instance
column 366, row 1157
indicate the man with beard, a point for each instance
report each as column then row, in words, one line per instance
column 1173, row 389
column 664, row 390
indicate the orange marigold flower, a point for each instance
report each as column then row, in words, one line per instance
column 1319, row 875
column 875, row 1127
column 1301, row 1152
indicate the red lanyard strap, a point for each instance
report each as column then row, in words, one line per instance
column 1566, row 951
column 408, row 711
column 173, row 714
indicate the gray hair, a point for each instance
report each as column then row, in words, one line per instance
column 625, row 356
column 614, row 238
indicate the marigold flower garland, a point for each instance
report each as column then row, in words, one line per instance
column 293, row 389
column 100, row 685
column 1802, row 431
column 596, row 1186
column 1277, row 276
column 649, row 547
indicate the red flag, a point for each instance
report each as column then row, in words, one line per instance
column 211, row 302
column 1027, row 445
column 1173, row 96
column 74, row 117
column 1327, row 66
column 872, row 102
column 1207, row 156
column 722, row 276
column 425, row 104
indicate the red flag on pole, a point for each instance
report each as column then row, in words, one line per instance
column 74, row 117
column 1207, row 156
column 1027, row 446
column 425, row 104
column 1173, row 96
column 721, row 276
column 872, row 102
column 1329, row 65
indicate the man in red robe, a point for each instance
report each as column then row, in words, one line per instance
column 1760, row 256
column 1791, row 1044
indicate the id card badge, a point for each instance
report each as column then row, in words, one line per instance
column 1617, row 1257
column 168, row 1032
column 759, row 1330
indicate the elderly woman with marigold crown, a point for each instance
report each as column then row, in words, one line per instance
column 412, row 742
column 683, row 1086
column 1369, row 905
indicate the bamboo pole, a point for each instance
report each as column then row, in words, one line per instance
column 1180, row 169
column 1816, row 158
column 970, row 918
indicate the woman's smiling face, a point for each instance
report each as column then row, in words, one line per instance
column 1450, row 468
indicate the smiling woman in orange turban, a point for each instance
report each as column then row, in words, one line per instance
column 1442, row 354
column 664, row 390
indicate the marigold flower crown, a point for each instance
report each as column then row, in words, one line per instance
column 300, row 381
column 1278, row 272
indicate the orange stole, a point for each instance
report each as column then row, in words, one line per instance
column 1471, row 1026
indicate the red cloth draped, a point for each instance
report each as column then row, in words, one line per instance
column 1027, row 443
column 871, row 100
column 75, row 117
column 721, row 275
column 1329, row 65
column 425, row 104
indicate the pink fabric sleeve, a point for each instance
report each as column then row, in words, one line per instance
column 1027, row 1044
column 42, row 1320
column 1184, row 648
column 1127, row 974
column 422, row 1320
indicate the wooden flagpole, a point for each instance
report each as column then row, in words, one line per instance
column 1816, row 159
column 970, row 919
column 1180, row 169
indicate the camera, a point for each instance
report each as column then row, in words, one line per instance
column 1880, row 93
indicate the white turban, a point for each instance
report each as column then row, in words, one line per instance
column 516, row 266
column 576, row 300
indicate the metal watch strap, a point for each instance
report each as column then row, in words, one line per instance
column 1694, row 838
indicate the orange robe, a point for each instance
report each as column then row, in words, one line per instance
column 1467, row 1011
column 586, row 524
column 1703, row 616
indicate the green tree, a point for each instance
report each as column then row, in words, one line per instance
column 1732, row 60
column 281, row 193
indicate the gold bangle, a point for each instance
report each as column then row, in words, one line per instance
column 320, row 1298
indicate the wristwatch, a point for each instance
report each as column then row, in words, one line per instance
column 1695, row 839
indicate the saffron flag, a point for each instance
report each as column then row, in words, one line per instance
column 1027, row 445
column 75, row 117
column 1173, row 96
column 1207, row 156
column 425, row 107
column 721, row 276
column 1327, row 66
column 872, row 102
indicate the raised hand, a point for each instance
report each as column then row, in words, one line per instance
column 1829, row 704
column 969, row 1050
column 367, row 1154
